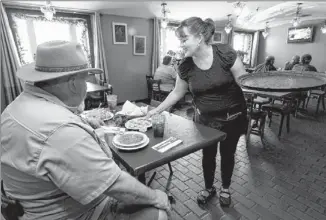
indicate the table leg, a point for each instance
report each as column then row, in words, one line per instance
column 142, row 178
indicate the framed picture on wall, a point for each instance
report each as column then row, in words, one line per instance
column 217, row 38
column 139, row 45
column 119, row 31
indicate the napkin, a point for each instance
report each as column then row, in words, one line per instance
column 167, row 144
column 130, row 109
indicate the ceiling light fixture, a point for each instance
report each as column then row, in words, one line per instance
column 228, row 26
column 48, row 10
column 265, row 32
column 323, row 28
column 296, row 20
column 238, row 7
column 164, row 21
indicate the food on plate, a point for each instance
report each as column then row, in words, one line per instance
column 130, row 138
column 139, row 123
column 100, row 114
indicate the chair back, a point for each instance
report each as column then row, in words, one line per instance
column 156, row 93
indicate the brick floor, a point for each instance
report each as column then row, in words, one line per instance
column 278, row 179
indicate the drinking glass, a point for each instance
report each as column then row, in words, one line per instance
column 112, row 101
column 158, row 124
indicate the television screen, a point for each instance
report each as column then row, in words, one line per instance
column 301, row 34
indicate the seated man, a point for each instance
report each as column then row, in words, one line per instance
column 53, row 162
column 305, row 64
column 289, row 65
column 167, row 74
column 268, row 65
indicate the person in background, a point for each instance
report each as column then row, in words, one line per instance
column 268, row 65
column 289, row 65
column 211, row 73
column 53, row 162
column 167, row 74
column 305, row 64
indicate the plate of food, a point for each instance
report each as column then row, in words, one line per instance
column 138, row 124
column 99, row 113
column 130, row 140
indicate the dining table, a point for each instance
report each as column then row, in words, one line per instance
column 279, row 84
column 267, row 94
column 194, row 137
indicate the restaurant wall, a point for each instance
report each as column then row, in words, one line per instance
column 275, row 44
column 127, row 72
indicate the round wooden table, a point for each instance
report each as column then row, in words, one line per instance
column 283, row 81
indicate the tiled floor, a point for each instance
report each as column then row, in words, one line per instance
column 283, row 179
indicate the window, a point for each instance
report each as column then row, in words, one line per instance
column 30, row 28
column 242, row 43
column 169, row 42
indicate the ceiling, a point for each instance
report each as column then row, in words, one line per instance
column 275, row 12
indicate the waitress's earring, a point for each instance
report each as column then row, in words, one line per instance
column 199, row 42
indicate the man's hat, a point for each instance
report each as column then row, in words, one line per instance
column 56, row 59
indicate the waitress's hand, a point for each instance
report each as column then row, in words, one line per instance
column 152, row 112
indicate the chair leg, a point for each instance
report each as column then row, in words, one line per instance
column 262, row 127
column 323, row 101
column 307, row 102
column 270, row 118
column 288, row 123
column 281, row 125
column 318, row 103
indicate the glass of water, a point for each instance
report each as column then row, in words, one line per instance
column 158, row 124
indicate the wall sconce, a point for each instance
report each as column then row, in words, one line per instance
column 265, row 32
column 228, row 26
column 323, row 28
column 48, row 10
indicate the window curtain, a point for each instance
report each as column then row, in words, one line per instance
column 156, row 45
column 99, row 49
column 9, row 63
column 255, row 45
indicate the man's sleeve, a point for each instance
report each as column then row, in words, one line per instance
column 77, row 165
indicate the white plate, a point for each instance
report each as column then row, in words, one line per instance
column 117, row 142
column 133, row 125
column 92, row 113
column 132, row 148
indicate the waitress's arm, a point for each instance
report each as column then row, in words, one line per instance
column 238, row 70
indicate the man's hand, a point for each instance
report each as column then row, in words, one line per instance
column 162, row 201
column 94, row 122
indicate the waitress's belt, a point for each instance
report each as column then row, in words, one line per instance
column 225, row 114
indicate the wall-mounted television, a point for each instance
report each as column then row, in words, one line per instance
column 300, row 34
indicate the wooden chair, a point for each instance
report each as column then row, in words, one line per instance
column 319, row 94
column 255, row 114
column 149, row 87
column 157, row 93
column 285, row 109
column 94, row 99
